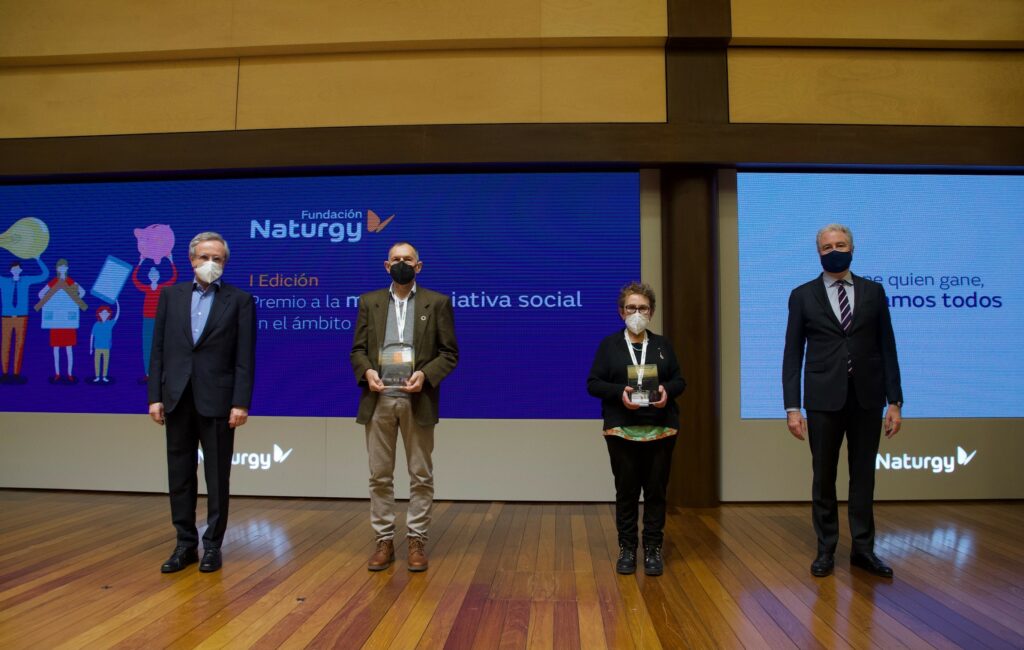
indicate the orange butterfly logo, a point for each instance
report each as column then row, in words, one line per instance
column 373, row 222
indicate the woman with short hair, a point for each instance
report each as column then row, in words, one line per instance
column 636, row 376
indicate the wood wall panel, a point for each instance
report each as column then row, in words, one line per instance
column 63, row 31
column 117, row 98
column 845, row 86
column 614, row 18
column 49, row 31
column 879, row 23
column 603, row 85
column 453, row 87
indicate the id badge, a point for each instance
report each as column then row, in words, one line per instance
column 644, row 380
column 640, row 397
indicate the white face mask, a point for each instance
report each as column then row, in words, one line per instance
column 637, row 323
column 209, row 271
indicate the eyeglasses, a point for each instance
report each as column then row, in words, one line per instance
column 632, row 309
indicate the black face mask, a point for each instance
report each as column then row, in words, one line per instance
column 836, row 261
column 402, row 273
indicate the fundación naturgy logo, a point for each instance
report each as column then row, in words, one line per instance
column 934, row 464
column 256, row 460
column 341, row 225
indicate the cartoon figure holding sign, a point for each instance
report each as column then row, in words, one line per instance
column 60, row 301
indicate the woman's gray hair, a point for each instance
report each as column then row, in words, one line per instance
column 834, row 227
column 639, row 289
column 207, row 236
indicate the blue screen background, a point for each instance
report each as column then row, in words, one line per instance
column 496, row 234
column 956, row 361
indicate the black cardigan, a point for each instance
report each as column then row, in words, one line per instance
column 607, row 380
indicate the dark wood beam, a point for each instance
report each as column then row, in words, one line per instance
column 517, row 144
column 690, row 309
column 699, row 23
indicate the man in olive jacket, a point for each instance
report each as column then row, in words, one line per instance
column 410, row 326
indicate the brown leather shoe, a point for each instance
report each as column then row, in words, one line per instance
column 382, row 556
column 417, row 555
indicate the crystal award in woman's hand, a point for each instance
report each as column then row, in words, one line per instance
column 644, row 381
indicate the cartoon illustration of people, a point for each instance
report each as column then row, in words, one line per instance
column 14, row 301
column 60, row 301
column 101, row 339
column 152, row 293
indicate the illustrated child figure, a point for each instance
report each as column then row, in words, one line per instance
column 101, row 339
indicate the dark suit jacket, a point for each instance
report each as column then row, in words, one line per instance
column 434, row 347
column 870, row 343
column 221, row 365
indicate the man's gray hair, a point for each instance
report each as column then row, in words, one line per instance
column 834, row 227
column 207, row 236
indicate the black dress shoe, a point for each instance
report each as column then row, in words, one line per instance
column 211, row 561
column 823, row 565
column 180, row 558
column 872, row 564
column 653, row 564
column 627, row 560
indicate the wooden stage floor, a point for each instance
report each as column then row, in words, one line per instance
column 82, row 570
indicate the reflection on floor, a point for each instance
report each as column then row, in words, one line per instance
column 83, row 569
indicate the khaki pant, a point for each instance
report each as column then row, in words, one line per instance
column 13, row 328
column 391, row 415
column 104, row 356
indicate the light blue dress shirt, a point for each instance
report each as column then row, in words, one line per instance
column 202, row 302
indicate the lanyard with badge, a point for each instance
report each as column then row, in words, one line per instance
column 639, row 371
column 401, row 312
column 396, row 358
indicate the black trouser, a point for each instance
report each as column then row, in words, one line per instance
column 825, row 431
column 186, row 430
column 640, row 466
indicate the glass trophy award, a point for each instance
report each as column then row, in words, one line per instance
column 396, row 363
column 644, row 381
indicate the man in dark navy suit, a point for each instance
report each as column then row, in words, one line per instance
column 200, row 384
column 850, row 373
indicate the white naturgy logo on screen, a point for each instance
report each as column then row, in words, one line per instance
column 256, row 460
column 935, row 464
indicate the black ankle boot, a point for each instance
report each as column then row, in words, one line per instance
column 653, row 564
column 627, row 560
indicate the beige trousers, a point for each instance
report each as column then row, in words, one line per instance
column 394, row 414
column 104, row 356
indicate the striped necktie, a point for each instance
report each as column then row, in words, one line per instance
column 845, row 316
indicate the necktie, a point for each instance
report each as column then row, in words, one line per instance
column 14, row 290
column 845, row 316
